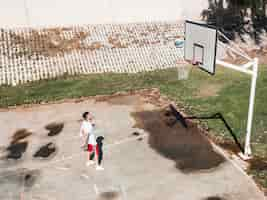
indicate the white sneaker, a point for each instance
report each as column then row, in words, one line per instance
column 90, row 162
column 99, row 168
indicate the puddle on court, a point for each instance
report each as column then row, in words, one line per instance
column 19, row 177
column 30, row 177
column 20, row 135
column 214, row 198
column 54, row 128
column 16, row 150
column 46, row 151
column 18, row 145
column 135, row 134
column 109, row 195
column 189, row 148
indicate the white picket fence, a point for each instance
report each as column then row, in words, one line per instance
column 43, row 53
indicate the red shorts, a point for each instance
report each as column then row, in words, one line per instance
column 91, row 148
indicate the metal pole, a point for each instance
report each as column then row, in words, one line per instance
column 254, row 74
column 235, row 67
column 251, row 107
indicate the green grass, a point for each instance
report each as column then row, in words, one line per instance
column 231, row 100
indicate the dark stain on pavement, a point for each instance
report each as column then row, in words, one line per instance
column 16, row 150
column 18, row 145
column 214, row 198
column 46, row 151
column 21, row 176
column 110, row 195
column 189, row 148
column 20, row 135
column 135, row 134
column 54, row 128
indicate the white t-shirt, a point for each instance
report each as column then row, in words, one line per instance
column 88, row 128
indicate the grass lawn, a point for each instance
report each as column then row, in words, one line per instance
column 226, row 92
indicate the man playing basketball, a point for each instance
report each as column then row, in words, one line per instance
column 87, row 130
column 94, row 148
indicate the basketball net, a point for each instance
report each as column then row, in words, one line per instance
column 183, row 70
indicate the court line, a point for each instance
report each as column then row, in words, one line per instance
column 22, row 190
column 96, row 189
column 235, row 165
column 123, row 141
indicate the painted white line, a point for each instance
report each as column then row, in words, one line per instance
column 124, row 196
column 96, row 189
column 22, row 186
column 218, row 149
column 125, row 141
column 85, row 176
column 62, row 168
column 222, row 152
column 65, row 158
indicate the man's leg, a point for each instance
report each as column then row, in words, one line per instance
column 96, row 153
column 100, row 156
column 91, row 155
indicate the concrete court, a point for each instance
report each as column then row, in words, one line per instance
column 133, row 170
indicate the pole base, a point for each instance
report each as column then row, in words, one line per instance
column 245, row 156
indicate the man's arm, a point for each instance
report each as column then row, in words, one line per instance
column 82, row 132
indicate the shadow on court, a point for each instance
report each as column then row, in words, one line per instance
column 189, row 148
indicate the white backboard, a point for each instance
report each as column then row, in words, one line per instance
column 201, row 45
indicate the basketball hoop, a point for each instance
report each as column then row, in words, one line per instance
column 201, row 44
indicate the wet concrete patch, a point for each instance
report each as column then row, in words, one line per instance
column 20, row 135
column 189, row 148
column 18, row 145
column 21, row 176
column 16, row 150
column 168, row 118
column 54, row 128
column 214, row 198
column 46, row 151
column 110, row 195
column 135, row 134
column 30, row 177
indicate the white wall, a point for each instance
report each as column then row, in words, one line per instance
column 67, row 12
